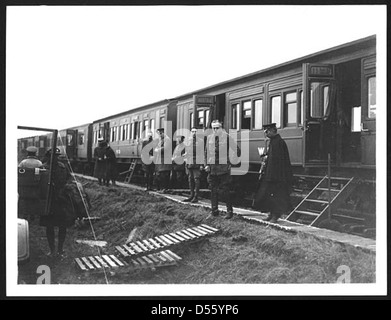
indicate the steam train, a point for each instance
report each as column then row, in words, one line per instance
column 324, row 106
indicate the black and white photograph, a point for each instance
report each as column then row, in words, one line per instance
column 196, row 150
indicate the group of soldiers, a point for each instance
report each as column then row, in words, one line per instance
column 191, row 156
column 214, row 156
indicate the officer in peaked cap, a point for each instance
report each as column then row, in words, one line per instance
column 31, row 161
column 269, row 126
column 273, row 194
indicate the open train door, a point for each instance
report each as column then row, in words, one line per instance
column 71, row 143
column 368, row 111
column 319, row 104
column 204, row 110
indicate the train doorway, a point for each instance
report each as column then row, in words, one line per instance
column 319, row 93
column 348, row 113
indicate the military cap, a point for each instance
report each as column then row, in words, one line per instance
column 100, row 139
column 216, row 124
column 32, row 149
column 269, row 126
column 160, row 130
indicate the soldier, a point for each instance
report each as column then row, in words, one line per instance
column 163, row 160
column 100, row 169
column 276, row 183
column 218, row 166
column 111, row 166
column 194, row 162
column 61, row 213
column 147, row 164
column 178, row 165
column 31, row 161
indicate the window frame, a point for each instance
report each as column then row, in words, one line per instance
column 285, row 104
column 271, row 96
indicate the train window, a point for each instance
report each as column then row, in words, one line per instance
column 258, row 114
column 191, row 119
column 152, row 125
column 246, row 115
column 112, row 137
column 319, row 103
column 200, row 119
column 356, row 119
column 135, row 130
column 290, row 109
column 372, row 97
column 234, row 116
column 276, row 110
column 161, row 122
column 207, row 114
column 127, row 131
column 69, row 140
column 145, row 127
column 81, row 138
column 41, row 144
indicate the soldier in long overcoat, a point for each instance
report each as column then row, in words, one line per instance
column 100, row 169
column 273, row 195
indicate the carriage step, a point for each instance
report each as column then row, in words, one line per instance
column 162, row 242
column 99, row 263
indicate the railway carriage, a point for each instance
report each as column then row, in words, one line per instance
column 324, row 106
column 126, row 131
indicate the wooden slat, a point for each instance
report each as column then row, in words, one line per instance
column 135, row 247
column 94, row 262
column 183, row 235
column 168, row 257
column 166, row 240
column 122, row 251
column 209, row 227
column 87, row 262
column 171, row 238
column 205, row 230
column 117, row 261
column 142, row 246
column 156, row 244
column 101, row 261
column 191, row 235
column 177, row 237
column 204, row 233
column 161, row 241
column 172, row 254
column 149, row 261
column 149, row 244
column 80, row 264
column 129, row 249
column 109, row 261
column 162, row 258
column 198, row 234
column 153, row 258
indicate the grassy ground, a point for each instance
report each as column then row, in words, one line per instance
column 241, row 253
